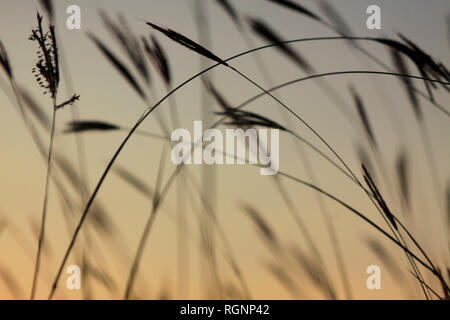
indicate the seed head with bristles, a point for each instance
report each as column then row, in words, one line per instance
column 46, row 70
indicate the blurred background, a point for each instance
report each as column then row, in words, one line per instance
column 166, row 270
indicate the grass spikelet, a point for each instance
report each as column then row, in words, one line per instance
column 315, row 272
column 46, row 70
column 263, row 30
column 262, row 226
column 129, row 43
column 297, row 7
column 402, row 166
column 188, row 43
column 83, row 126
column 365, row 159
column 4, row 61
column 159, row 59
column 381, row 252
column 363, row 116
column 426, row 65
column 134, row 181
column 402, row 68
column 119, row 65
column 333, row 15
column 379, row 198
column 250, row 119
column 240, row 117
column 437, row 69
column 227, row 6
column 220, row 99
column 101, row 221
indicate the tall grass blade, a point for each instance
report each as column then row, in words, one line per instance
column 264, row 229
column 262, row 29
column 119, row 65
column 297, row 7
column 231, row 11
column 159, row 59
column 335, row 17
column 4, row 60
column 129, row 43
column 401, row 67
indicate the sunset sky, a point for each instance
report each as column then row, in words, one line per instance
column 106, row 96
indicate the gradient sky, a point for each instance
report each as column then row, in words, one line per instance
column 106, row 96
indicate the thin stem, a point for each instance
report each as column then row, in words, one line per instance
column 426, row 285
column 336, row 99
column 321, row 139
column 138, row 255
column 252, row 99
column 157, row 200
column 306, row 123
column 300, row 138
column 44, row 207
column 362, row 216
